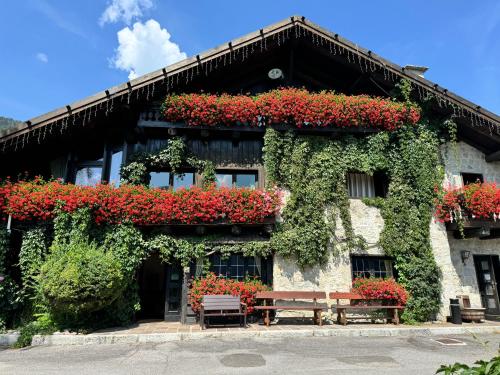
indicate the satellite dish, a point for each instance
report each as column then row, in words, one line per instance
column 275, row 73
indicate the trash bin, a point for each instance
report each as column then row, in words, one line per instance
column 456, row 315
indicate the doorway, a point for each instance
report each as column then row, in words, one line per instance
column 152, row 288
column 160, row 290
column 488, row 274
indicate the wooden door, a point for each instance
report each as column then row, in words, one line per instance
column 487, row 270
column 173, row 293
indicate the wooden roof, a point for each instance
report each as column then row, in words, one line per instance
column 481, row 126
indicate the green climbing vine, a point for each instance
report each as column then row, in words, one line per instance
column 173, row 157
column 313, row 170
column 31, row 256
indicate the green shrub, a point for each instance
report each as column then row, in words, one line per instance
column 44, row 325
column 80, row 278
column 491, row 367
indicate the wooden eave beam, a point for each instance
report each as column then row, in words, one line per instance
column 494, row 156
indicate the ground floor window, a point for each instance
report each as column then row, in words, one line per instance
column 236, row 266
column 372, row 266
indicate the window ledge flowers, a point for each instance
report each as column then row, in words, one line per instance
column 296, row 107
column 381, row 289
column 479, row 201
column 39, row 200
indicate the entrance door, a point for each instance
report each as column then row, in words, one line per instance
column 488, row 272
column 173, row 292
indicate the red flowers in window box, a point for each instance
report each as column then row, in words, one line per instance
column 296, row 107
column 473, row 201
column 381, row 289
column 38, row 200
column 217, row 285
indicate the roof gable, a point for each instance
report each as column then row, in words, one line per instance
column 481, row 124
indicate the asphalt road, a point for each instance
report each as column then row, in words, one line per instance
column 307, row 355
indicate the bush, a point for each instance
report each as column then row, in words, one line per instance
column 491, row 367
column 217, row 285
column 42, row 326
column 81, row 278
column 381, row 289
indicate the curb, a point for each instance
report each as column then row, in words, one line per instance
column 99, row 339
column 8, row 339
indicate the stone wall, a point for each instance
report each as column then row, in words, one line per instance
column 459, row 278
column 465, row 158
column 336, row 275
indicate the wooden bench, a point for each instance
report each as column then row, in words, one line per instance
column 222, row 305
column 356, row 303
column 273, row 296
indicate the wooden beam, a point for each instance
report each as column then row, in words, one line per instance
column 494, row 156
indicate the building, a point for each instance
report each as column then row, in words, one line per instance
column 87, row 141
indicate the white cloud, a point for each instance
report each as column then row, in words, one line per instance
column 124, row 10
column 40, row 56
column 144, row 48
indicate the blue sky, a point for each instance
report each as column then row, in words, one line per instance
column 57, row 51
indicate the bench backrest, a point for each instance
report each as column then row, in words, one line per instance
column 221, row 302
column 345, row 295
column 291, row 295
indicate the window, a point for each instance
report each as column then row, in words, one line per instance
column 93, row 165
column 88, row 176
column 114, row 168
column 362, row 185
column 235, row 266
column 471, row 178
column 166, row 180
column 88, row 172
column 236, row 179
column 372, row 266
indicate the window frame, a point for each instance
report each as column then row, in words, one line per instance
column 380, row 182
column 227, row 264
column 235, row 172
column 479, row 176
column 77, row 163
column 171, row 176
column 380, row 258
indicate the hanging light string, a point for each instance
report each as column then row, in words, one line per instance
column 298, row 28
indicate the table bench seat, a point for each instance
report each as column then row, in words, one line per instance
column 354, row 298
column 273, row 296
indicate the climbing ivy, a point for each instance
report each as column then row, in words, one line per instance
column 174, row 156
column 31, row 256
column 313, row 170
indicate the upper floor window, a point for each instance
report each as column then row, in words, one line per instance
column 95, row 165
column 471, row 178
column 372, row 266
column 236, row 179
column 88, row 175
column 362, row 185
column 115, row 160
column 167, row 180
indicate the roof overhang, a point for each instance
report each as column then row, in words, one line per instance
column 485, row 122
